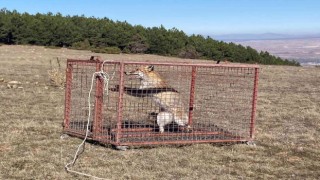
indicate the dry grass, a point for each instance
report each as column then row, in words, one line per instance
column 287, row 137
column 56, row 75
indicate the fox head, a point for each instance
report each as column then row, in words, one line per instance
column 148, row 77
column 141, row 72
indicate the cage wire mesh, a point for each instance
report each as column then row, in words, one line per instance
column 166, row 103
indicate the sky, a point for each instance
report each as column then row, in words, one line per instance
column 206, row 17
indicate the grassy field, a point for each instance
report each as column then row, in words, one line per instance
column 287, row 130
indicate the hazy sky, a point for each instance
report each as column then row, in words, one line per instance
column 207, row 17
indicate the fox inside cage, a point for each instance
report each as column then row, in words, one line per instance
column 143, row 103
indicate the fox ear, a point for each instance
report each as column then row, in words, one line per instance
column 151, row 68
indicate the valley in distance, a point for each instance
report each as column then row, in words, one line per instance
column 304, row 49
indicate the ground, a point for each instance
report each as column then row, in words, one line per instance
column 287, row 129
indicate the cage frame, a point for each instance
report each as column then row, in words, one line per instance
column 97, row 124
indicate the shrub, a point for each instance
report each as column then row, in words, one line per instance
column 81, row 45
column 189, row 53
column 57, row 78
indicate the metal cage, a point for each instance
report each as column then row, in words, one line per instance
column 219, row 101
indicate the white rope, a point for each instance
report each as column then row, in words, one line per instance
column 106, row 79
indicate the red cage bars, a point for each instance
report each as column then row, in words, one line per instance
column 166, row 103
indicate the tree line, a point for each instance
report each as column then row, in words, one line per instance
column 108, row 36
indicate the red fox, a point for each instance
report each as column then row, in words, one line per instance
column 153, row 85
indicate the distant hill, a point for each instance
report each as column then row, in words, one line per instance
column 264, row 36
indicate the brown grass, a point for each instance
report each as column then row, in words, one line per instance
column 56, row 74
column 287, row 137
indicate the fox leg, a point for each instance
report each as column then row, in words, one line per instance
column 164, row 118
column 181, row 120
